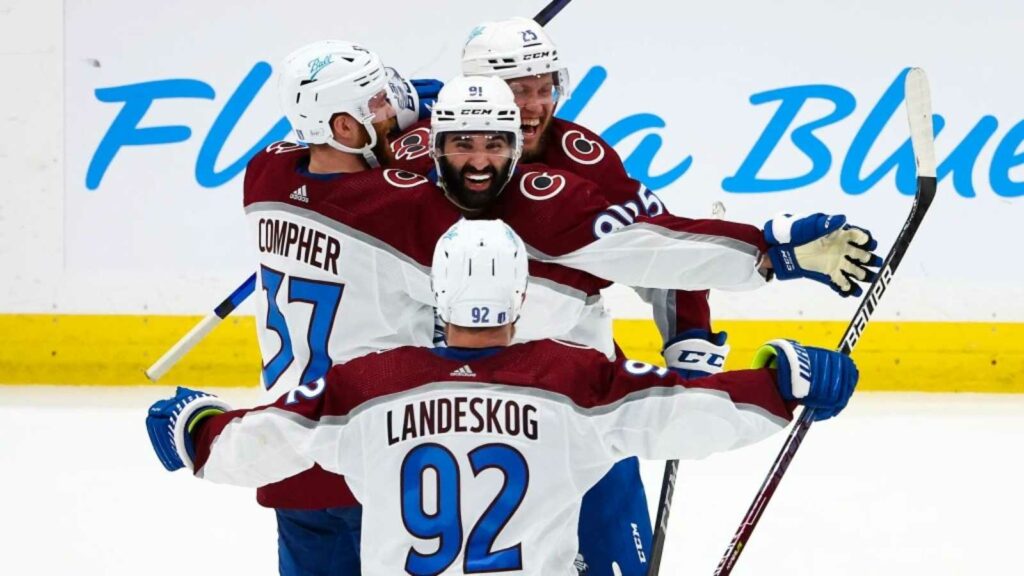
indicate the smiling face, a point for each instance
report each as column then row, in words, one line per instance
column 536, row 98
column 475, row 166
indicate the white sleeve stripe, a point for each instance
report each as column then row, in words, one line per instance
column 660, row 391
column 643, row 255
column 721, row 241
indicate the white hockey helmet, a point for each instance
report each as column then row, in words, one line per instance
column 326, row 78
column 475, row 104
column 479, row 274
column 513, row 48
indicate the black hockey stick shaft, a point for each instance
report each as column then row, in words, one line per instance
column 550, row 11
column 668, row 488
column 918, row 103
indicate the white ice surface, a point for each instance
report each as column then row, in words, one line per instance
column 899, row 484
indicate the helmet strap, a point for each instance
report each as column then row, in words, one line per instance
column 366, row 151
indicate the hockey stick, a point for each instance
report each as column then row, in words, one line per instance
column 550, row 11
column 211, row 320
column 919, row 113
column 668, row 489
column 668, row 479
column 200, row 330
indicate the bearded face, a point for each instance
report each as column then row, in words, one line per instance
column 386, row 130
column 475, row 167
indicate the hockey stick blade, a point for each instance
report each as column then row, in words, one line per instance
column 550, row 11
column 200, row 330
column 919, row 115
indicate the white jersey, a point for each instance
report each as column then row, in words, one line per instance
column 470, row 461
column 342, row 269
column 344, row 259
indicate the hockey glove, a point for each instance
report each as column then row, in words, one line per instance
column 411, row 99
column 817, row 378
column 427, row 90
column 170, row 423
column 696, row 353
column 823, row 248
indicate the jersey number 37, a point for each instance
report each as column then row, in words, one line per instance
column 324, row 298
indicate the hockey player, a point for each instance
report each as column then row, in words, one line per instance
column 580, row 244
column 344, row 258
column 343, row 267
column 519, row 51
column 474, row 458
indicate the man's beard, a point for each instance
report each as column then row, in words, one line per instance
column 472, row 200
column 385, row 131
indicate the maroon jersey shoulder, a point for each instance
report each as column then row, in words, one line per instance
column 396, row 207
column 411, row 150
column 579, row 373
column 575, row 371
column 575, row 148
column 271, row 172
column 552, row 210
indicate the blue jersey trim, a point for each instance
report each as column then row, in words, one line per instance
column 466, row 354
column 302, row 169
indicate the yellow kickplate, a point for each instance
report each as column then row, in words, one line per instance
column 115, row 350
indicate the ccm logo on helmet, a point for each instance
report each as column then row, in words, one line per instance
column 477, row 111
column 537, row 55
column 541, row 185
column 582, row 149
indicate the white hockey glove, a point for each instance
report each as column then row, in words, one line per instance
column 823, row 248
column 696, row 353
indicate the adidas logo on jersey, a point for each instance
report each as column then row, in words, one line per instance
column 465, row 371
column 300, row 195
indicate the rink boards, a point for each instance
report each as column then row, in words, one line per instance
column 114, row 350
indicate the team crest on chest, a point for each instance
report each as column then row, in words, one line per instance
column 403, row 178
column 413, row 145
column 541, row 185
column 582, row 149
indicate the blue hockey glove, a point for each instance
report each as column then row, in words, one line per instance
column 696, row 353
column 823, row 248
column 817, row 378
column 170, row 423
column 427, row 90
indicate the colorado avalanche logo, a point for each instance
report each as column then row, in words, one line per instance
column 403, row 179
column 413, row 145
column 284, row 147
column 582, row 149
column 541, row 185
